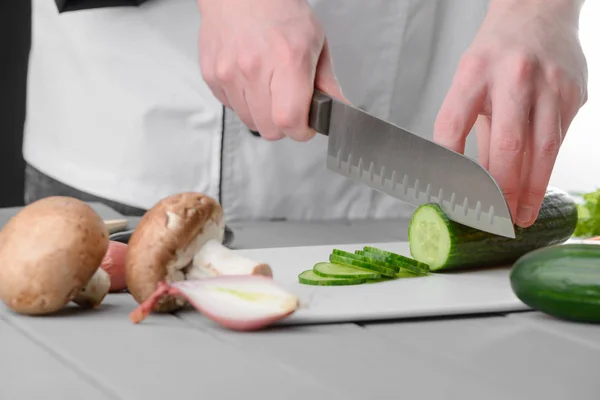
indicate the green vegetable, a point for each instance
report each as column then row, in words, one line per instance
column 346, row 268
column 562, row 281
column 446, row 245
column 309, row 277
column 357, row 261
column 327, row 269
column 588, row 223
column 405, row 263
column 372, row 259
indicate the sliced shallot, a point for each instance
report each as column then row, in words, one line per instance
column 238, row 302
column 114, row 264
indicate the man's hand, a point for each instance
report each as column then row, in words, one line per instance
column 521, row 83
column 262, row 59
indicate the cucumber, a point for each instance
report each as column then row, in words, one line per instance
column 327, row 269
column 346, row 268
column 408, row 274
column 382, row 279
column 372, row 259
column 309, row 277
column 562, row 281
column 402, row 262
column 447, row 245
column 357, row 262
column 375, row 259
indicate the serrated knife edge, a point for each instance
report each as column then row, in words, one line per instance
column 374, row 160
column 400, row 189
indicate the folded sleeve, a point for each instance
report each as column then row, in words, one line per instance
column 74, row 5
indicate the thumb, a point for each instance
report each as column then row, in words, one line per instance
column 325, row 79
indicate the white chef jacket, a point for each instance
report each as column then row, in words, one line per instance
column 117, row 106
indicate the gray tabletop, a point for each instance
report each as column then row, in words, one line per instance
column 102, row 355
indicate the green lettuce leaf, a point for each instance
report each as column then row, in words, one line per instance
column 588, row 223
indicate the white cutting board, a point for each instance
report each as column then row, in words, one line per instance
column 468, row 292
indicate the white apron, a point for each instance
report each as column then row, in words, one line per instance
column 117, row 106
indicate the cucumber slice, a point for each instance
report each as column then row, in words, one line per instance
column 406, row 263
column 327, row 269
column 309, row 277
column 347, row 254
column 398, row 265
column 378, row 280
column 338, row 259
column 408, row 274
column 366, row 258
column 377, row 259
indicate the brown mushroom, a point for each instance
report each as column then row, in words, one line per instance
column 181, row 238
column 50, row 254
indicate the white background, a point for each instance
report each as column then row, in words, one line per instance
column 578, row 164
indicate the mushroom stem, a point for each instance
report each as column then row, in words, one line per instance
column 214, row 259
column 92, row 294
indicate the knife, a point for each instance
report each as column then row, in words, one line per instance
column 408, row 167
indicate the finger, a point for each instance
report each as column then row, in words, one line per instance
column 572, row 94
column 231, row 83
column 259, row 103
column 572, row 99
column 527, row 166
column 291, row 94
column 237, row 98
column 510, row 126
column 544, row 144
column 236, row 95
column 207, row 68
column 483, row 130
column 215, row 87
column 462, row 104
column 325, row 78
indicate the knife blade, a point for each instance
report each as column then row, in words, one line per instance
column 409, row 167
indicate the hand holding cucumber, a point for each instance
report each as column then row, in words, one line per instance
column 521, row 83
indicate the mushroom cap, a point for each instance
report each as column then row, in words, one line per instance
column 164, row 243
column 48, row 252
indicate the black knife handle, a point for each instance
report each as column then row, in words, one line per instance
column 320, row 112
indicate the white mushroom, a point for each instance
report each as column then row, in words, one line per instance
column 50, row 254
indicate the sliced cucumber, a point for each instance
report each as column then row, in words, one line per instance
column 378, row 260
column 402, row 262
column 373, row 259
column 398, row 264
column 327, row 269
column 366, row 258
column 309, row 277
column 368, row 265
column 382, row 279
column 338, row 259
column 409, row 274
